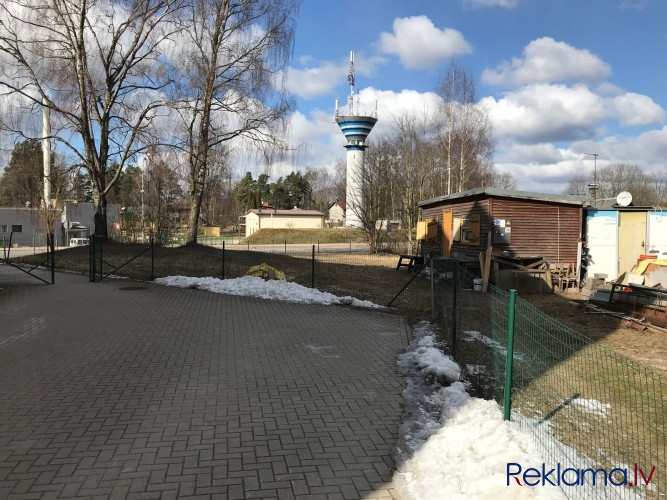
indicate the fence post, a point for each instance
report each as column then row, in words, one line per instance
column 312, row 269
column 431, row 276
column 91, row 259
column 285, row 246
column 223, row 260
column 510, row 354
column 50, row 249
column 454, row 325
column 152, row 256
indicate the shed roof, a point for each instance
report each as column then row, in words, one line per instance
column 295, row 212
column 510, row 193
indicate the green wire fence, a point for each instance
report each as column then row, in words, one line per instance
column 587, row 406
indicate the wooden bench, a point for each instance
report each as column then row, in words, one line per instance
column 410, row 261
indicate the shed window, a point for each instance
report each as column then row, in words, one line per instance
column 470, row 230
column 3, row 228
column 17, row 228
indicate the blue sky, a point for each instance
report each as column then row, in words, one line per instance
column 558, row 77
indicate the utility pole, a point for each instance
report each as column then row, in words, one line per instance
column 595, row 177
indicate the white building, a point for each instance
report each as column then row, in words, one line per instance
column 270, row 218
column 337, row 214
column 25, row 227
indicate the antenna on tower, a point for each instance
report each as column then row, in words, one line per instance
column 350, row 80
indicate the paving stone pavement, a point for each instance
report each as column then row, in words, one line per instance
column 123, row 390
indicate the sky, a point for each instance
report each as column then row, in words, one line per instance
column 559, row 79
column 451, row 445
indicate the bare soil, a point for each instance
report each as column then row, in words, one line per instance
column 646, row 346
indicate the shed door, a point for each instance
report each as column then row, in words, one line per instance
column 602, row 238
column 631, row 239
column 446, row 233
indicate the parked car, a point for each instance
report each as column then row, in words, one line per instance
column 78, row 242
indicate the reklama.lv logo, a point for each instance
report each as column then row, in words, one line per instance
column 570, row 476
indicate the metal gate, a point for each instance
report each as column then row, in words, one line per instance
column 99, row 268
column 16, row 261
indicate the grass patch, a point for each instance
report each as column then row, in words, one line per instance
column 305, row 236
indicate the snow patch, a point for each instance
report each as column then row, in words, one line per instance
column 251, row 286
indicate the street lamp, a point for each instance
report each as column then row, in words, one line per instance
column 595, row 177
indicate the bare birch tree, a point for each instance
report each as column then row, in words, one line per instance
column 235, row 53
column 466, row 137
column 96, row 65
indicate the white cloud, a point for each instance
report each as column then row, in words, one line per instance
column 320, row 80
column 636, row 110
column 315, row 81
column 648, row 150
column 506, row 4
column 546, row 113
column 634, row 4
column 419, row 44
column 545, row 168
column 534, row 154
column 542, row 112
column 546, row 60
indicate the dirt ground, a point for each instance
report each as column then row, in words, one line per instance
column 646, row 346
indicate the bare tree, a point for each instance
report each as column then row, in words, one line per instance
column 466, row 138
column 374, row 193
column 408, row 152
column 616, row 178
column 578, row 186
column 504, row 181
column 97, row 67
column 647, row 189
column 233, row 54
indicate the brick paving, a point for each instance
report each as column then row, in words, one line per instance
column 131, row 390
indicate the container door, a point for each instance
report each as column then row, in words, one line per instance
column 447, row 233
column 602, row 239
column 631, row 239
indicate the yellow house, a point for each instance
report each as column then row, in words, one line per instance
column 263, row 218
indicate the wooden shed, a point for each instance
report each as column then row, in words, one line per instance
column 521, row 227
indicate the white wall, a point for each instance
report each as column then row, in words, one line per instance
column 657, row 233
column 602, row 240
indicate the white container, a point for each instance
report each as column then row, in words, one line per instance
column 477, row 284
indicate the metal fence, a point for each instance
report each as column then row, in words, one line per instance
column 26, row 259
column 587, row 406
column 330, row 268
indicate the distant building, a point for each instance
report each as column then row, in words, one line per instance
column 78, row 220
column 263, row 218
column 337, row 214
column 25, row 226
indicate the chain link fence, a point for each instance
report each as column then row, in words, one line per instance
column 587, row 406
